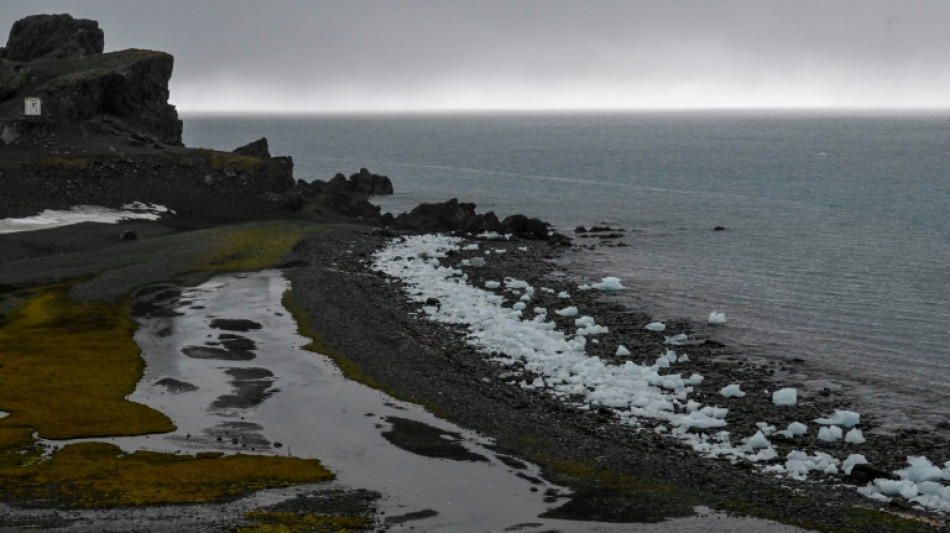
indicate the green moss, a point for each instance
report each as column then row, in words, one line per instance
column 67, row 367
column 251, row 248
column 95, row 474
column 285, row 522
column 219, row 160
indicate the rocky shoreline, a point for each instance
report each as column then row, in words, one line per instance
column 121, row 142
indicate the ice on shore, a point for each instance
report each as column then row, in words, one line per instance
column 657, row 327
column 647, row 395
column 787, row 396
column 83, row 213
column 794, row 429
column 567, row 312
column 608, row 284
column 855, row 436
column 716, row 318
column 841, row 418
column 676, row 340
column 829, row 433
column 732, row 391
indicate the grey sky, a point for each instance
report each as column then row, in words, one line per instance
column 352, row 55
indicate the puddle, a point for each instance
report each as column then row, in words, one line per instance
column 224, row 361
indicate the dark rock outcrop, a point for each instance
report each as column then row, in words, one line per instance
column 52, row 37
column 258, row 149
column 363, row 182
column 461, row 216
column 59, row 59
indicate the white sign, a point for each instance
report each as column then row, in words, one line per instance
column 31, row 106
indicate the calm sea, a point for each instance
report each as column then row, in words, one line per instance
column 837, row 248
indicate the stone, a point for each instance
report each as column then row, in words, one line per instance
column 128, row 235
column 258, row 149
column 52, row 37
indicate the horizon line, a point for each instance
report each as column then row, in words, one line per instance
column 553, row 111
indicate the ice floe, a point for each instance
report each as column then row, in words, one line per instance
column 716, row 318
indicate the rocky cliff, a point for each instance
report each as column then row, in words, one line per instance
column 59, row 59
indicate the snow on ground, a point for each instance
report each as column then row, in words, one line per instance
column 82, row 213
column 651, row 396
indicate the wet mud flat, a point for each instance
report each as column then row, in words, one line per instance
column 587, row 450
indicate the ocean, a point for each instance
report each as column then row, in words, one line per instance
column 836, row 249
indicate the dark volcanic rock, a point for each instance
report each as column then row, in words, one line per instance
column 59, row 59
column 448, row 216
column 363, row 182
column 52, row 37
column 368, row 183
column 256, row 149
column 461, row 216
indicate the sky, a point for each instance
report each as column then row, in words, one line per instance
column 465, row 55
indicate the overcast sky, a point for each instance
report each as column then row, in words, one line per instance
column 368, row 55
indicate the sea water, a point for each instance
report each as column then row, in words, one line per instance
column 836, row 248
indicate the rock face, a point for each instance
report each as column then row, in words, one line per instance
column 256, row 149
column 460, row 216
column 364, row 182
column 60, row 60
column 52, row 37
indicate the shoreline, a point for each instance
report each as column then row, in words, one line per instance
column 333, row 285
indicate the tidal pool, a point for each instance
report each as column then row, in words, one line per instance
column 224, row 361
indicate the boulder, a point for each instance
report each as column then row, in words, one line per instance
column 525, row 227
column 52, row 37
column 256, row 149
column 368, row 183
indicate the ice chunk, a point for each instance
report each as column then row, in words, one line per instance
column 567, row 312
column 731, row 391
column 608, row 284
column 716, row 318
column 855, row 436
column 519, row 306
column 563, row 295
column 492, row 284
column 841, row 418
column 525, row 298
column 655, row 326
column 476, row 262
column 796, row 429
column 758, row 441
column 829, row 433
column 787, row 396
column 473, row 247
column 676, row 340
column 920, row 469
column 622, row 351
column 584, row 321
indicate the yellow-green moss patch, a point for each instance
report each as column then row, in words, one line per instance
column 286, row 522
column 251, row 248
column 219, row 160
column 67, row 367
column 95, row 474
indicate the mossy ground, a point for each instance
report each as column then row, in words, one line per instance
column 290, row 522
column 66, row 367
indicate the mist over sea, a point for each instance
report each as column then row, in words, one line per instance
column 837, row 241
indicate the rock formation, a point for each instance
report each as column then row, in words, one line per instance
column 59, row 59
column 52, row 37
